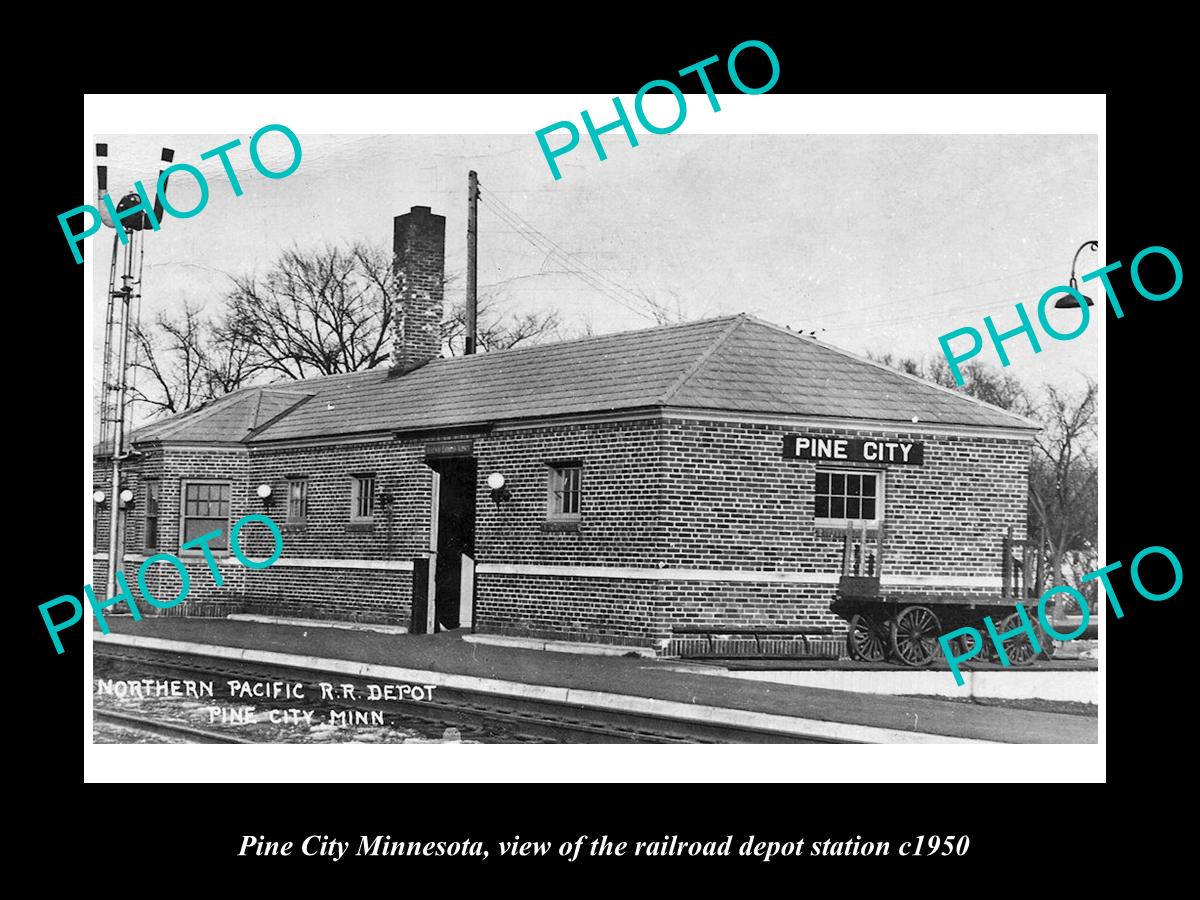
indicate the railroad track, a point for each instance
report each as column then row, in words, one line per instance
column 164, row 729
column 528, row 720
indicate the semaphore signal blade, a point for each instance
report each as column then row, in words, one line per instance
column 168, row 156
column 102, row 183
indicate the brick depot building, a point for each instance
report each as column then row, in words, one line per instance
column 699, row 474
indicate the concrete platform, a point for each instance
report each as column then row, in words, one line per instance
column 317, row 623
column 1061, row 684
column 581, row 647
column 607, row 682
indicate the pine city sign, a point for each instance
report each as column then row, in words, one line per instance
column 825, row 447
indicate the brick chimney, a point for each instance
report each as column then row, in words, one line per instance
column 419, row 245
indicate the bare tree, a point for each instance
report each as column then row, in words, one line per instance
column 665, row 312
column 494, row 331
column 318, row 312
column 231, row 361
column 981, row 381
column 184, row 360
column 314, row 312
column 1063, row 470
column 1063, row 478
column 171, row 354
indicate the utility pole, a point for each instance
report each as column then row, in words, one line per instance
column 472, row 254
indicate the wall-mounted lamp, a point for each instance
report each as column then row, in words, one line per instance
column 1068, row 301
column 99, row 497
column 264, row 493
column 499, row 486
column 386, row 499
column 126, row 497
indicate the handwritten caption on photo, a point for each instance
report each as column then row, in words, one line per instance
column 141, row 689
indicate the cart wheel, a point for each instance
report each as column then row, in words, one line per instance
column 1020, row 650
column 866, row 640
column 961, row 646
column 1047, row 642
column 914, row 636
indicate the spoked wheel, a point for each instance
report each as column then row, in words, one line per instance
column 1019, row 649
column 1048, row 645
column 915, row 635
column 866, row 640
column 962, row 646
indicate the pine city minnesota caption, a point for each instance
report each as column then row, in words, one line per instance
column 333, row 849
column 239, row 689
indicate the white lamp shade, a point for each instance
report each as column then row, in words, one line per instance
column 495, row 481
column 98, row 497
column 264, row 491
column 126, row 495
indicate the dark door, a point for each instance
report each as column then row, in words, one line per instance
column 455, row 537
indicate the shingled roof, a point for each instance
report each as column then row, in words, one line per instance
column 733, row 364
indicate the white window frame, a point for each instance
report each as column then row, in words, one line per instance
column 356, row 482
column 554, row 488
column 880, row 488
column 289, row 519
column 152, row 485
column 183, row 516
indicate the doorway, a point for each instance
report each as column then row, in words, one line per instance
column 454, row 544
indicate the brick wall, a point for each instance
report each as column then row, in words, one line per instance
column 345, row 592
column 399, row 531
column 171, row 468
column 621, row 500
column 691, row 494
column 732, row 501
column 673, row 494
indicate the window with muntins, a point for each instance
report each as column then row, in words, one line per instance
column 362, row 498
column 205, row 509
column 297, row 500
column 566, row 483
column 150, row 530
column 848, row 496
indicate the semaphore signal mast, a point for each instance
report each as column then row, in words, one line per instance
column 123, row 312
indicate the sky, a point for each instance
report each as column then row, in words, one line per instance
column 878, row 243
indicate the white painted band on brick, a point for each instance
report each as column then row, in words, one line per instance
column 391, row 565
column 739, row 575
column 190, row 555
column 656, row 574
column 670, row 709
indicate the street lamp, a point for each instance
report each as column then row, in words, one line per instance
column 1068, row 301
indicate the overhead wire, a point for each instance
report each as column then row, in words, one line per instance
column 950, row 290
column 912, row 319
column 546, row 245
column 583, row 269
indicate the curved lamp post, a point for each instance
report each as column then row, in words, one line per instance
column 1068, row 301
